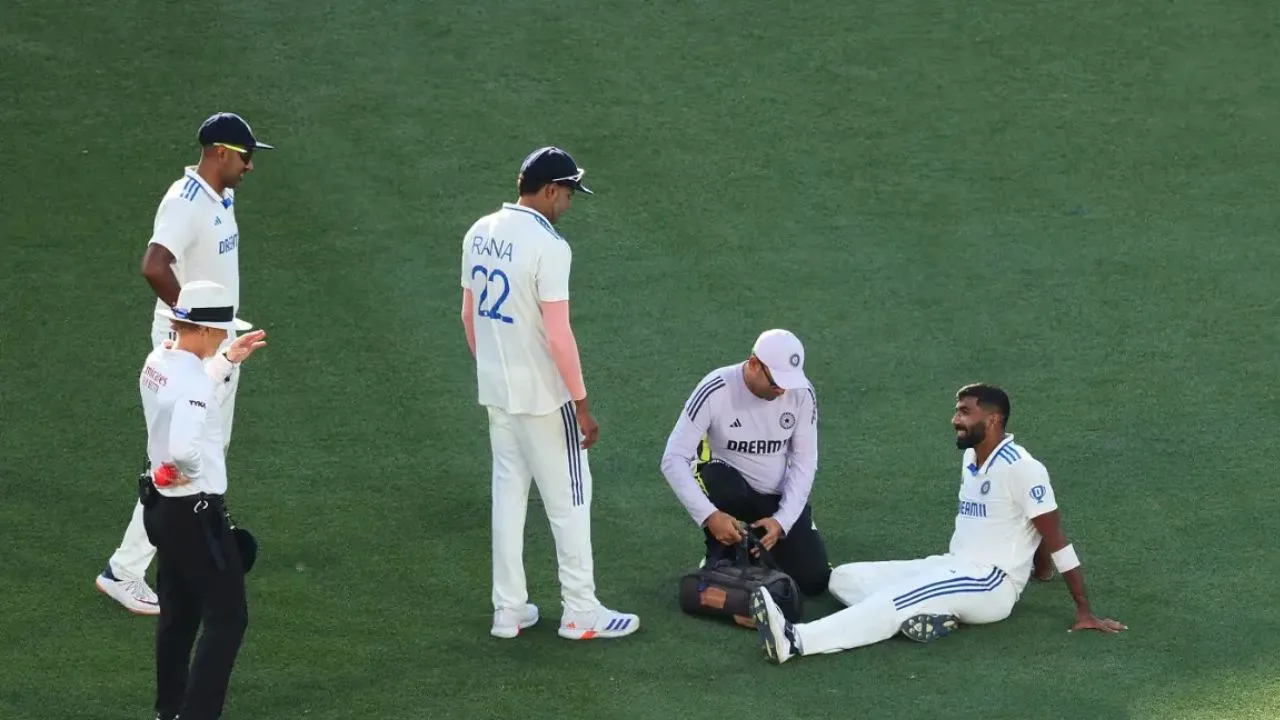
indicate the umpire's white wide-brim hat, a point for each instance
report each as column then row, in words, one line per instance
column 783, row 354
column 206, row 303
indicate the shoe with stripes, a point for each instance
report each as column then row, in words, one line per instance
column 603, row 623
column 777, row 635
column 927, row 628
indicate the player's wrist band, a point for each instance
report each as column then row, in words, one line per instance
column 1065, row 559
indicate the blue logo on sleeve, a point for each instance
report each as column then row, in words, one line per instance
column 1038, row 493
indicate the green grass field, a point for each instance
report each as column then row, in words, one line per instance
column 1074, row 200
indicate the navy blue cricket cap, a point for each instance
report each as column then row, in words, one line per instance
column 230, row 130
column 551, row 165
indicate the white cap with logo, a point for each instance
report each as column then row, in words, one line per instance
column 783, row 355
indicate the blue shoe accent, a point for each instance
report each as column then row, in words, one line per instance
column 927, row 628
column 106, row 573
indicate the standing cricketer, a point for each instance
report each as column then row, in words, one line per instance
column 195, row 237
column 515, row 309
column 1005, row 510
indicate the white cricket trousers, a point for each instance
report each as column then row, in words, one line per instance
column 546, row 449
column 881, row 595
column 131, row 560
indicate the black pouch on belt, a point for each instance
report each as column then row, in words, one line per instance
column 147, row 493
column 245, row 541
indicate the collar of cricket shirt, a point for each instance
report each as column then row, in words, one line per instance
column 1008, row 438
column 542, row 219
column 224, row 201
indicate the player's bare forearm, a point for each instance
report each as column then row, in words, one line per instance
column 1085, row 619
column 157, row 268
column 1053, row 540
column 1075, row 582
column 165, row 285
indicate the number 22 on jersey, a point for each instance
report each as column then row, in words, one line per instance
column 492, row 278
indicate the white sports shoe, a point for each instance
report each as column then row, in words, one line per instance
column 603, row 623
column 507, row 623
column 777, row 635
column 135, row 595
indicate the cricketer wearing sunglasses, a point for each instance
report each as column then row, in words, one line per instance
column 194, row 237
column 744, row 450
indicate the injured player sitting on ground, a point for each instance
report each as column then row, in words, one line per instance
column 1006, row 509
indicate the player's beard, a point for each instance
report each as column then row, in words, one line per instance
column 970, row 436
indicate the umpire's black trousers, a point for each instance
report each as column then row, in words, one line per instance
column 800, row 553
column 199, row 580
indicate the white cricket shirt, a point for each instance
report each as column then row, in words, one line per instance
column 996, row 504
column 773, row 443
column 184, row 420
column 513, row 260
column 199, row 227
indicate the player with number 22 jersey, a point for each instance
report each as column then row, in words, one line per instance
column 515, row 310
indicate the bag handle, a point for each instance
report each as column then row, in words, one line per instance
column 751, row 542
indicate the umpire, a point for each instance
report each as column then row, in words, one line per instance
column 201, row 557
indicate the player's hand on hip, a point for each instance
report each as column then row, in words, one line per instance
column 1089, row 621
column 586, row 424
column 243, row 346
column 773, row 531
column 724, row 528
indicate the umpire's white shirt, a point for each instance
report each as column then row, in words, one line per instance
column 513, row 260
column 199, row 227
column 184, row 422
